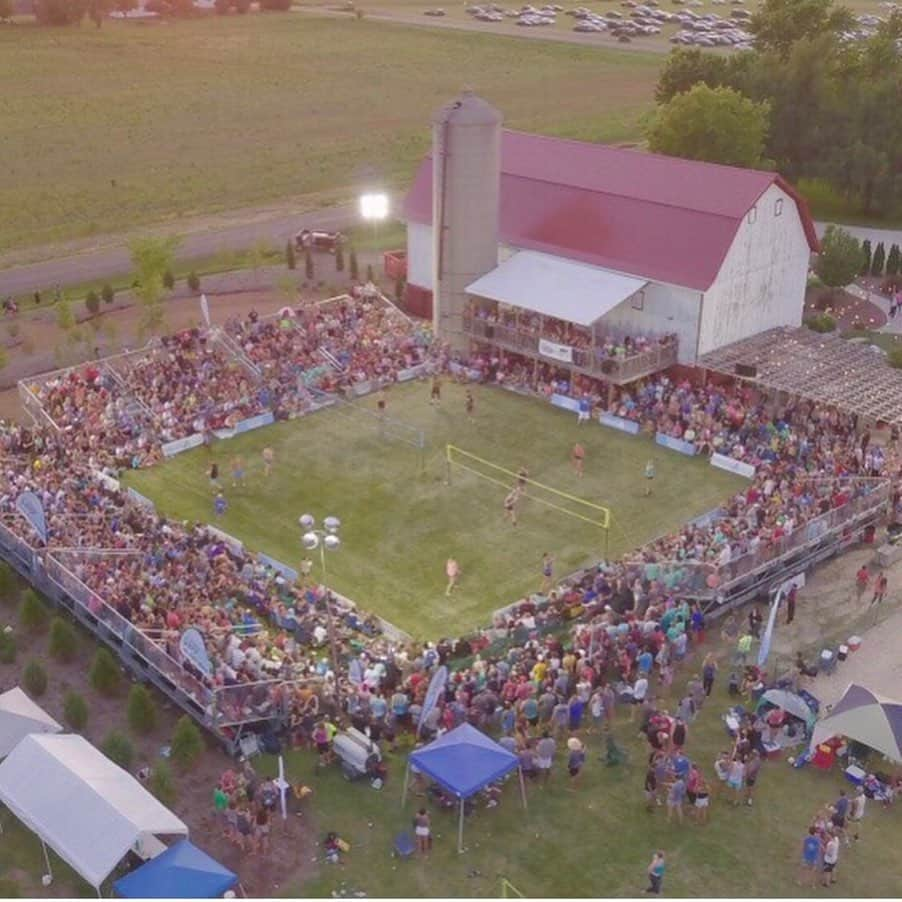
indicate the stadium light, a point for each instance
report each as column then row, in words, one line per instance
column 325, row 539
column 374, row 207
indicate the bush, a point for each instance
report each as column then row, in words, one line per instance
column 63, row 641
column 399, row 289
column 75, row 711
column 92, row 303
column 161, row 783
column 141, row 711
column 7, row 648
column 34, row 678
column 33, row 612
column 118, row 748
column 354, row 272
column 37, row 298
column 821, row 322
column 168, row 280
column 8, row 584
column 187, row 743
column 893, row 261
column 107, row 293
column 193, row 282
column 104, row 674
column 879, row 260
column 339, row 259
column 370, row 276
column 866, row 256
column 291, row 258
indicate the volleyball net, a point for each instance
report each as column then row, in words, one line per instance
column 562, row 502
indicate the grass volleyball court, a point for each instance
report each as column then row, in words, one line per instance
column 400, row 521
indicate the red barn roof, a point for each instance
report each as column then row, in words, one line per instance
column 662, row 218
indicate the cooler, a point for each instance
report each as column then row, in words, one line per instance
column 827, row 661
column 771, row 750
column 842, row 652
column 855, row 774
column 854, row 643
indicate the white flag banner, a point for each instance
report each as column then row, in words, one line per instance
column 205, row 309
column 555, row 351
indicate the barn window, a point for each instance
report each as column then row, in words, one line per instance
column 753, row 215
column 778, row 207
column 638, row 300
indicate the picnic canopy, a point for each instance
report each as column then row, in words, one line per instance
column 86, row 808
column 791, row 703
column 182, row 871
column 19, row 716
column 463, row 762
column 867, row 718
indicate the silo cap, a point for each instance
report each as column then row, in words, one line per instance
column 468, row 109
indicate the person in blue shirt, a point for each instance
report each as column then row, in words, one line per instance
column 645, row 662
column 811, row 851
column 220, row 505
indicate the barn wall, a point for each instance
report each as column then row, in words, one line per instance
column 761, row 283
column 666, row 308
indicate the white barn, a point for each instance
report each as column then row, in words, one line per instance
column 641, row 243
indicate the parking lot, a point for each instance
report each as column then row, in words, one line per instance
column 645, row 24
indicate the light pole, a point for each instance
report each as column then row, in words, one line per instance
column 325, row 539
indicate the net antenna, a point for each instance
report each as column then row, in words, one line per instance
column 563, row 502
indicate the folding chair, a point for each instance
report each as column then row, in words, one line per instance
column 403, row 845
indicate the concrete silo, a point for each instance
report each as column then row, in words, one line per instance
column 466, row 159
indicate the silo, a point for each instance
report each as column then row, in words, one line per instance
column 466, row 177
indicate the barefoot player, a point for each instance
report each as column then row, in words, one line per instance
column 470, row 405
column 577, row 456
column 511, row 502
column 452, row 571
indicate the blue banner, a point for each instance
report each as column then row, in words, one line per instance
column 675, row 444
column 29, row 506
column 411, row 373
column 565, row 402
column 740, row 468
column 140, row 499
column 194, row 649
column 257, row 422
column 436, row 688
column 768, row 636
column 707, row 519
column 615, row 422
column 170, row 449
column 284, row 569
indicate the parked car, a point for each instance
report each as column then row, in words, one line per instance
column 318, row 240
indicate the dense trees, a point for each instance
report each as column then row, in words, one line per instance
column 833, row 105
column 714, row 124
column 839, row 261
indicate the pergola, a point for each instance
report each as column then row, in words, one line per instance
column 850, row 376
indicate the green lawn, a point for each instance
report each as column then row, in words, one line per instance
column 598, row 842
column 400, row 520
column 137, row 123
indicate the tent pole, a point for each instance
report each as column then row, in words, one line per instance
column 406, row 779
column 47, row 859
column 460, row 830
column 522, row 787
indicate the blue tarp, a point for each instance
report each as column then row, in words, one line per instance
column 464, row 761
column 181, row 872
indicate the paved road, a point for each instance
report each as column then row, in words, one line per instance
column 889, row 237
column 114, row 260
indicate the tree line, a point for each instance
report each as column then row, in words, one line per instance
column 805, row 101
column 72, row 12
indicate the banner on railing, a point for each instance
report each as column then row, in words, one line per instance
column 363, row 388
column 459, row 369
column 138, row 498
column 739, row 467
column 205, row 309
column 170, row 449
column 675, row 444
column 555, row 351
column 257, row 422
column 231, row 541
column 707, row 519
column 413, row 372
column 565, row 402
column 106, row 480
column 284, row 569
column 194, row 649
column 615, row 422
column 30, row 507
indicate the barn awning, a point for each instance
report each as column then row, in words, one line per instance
column 575, row 292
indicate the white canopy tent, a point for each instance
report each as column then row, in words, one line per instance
column 571, row 291
column 86, row 808
column 20, row 716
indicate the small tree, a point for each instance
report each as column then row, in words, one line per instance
column 354, row 271
column 168, row 280
column 840, row 258
column 34, row 679
column 866, row 256
column 308, row 264
column 291, row 258
column 32, row 612
column 104, row 673
column 161, row 783
column 107, row 293
column 118, row 748
column 879, row 260
column 399, row 289
column 187, row 743
column 75, row 710
column 370, row 277
column 7, row 648
column 63, row 641
column 64, row 317
column 339, row 258
column 893, row 261
column 141, row 711
column 37, row 298
column 92, row 303
column 193, row 282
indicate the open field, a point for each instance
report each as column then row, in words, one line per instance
column 256, row 108
column 401, row 522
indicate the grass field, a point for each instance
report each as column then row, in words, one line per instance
column 130, row 124
column 400, row 520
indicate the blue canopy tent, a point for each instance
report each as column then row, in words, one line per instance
column 464, row 761
column 181, row 872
